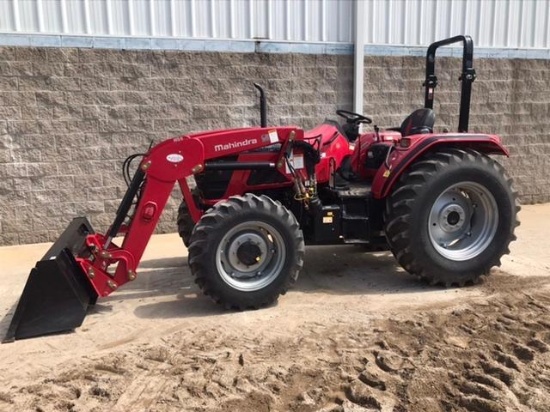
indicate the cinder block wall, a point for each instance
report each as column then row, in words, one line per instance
column 69, row 117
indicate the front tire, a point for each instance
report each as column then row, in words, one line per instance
column 246, row 251
column 452, row 216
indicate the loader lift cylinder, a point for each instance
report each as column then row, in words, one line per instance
column 125, row 205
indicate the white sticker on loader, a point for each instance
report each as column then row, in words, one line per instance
column 174, row 158
column 273, row 136
column 297, row 162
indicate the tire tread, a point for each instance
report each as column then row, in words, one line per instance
column 399, row 212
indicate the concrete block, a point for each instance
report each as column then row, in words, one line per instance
column 85, row 110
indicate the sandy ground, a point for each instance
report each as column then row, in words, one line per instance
column 355, row 334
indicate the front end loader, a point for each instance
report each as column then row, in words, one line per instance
column 254, row 197
column 83, row 265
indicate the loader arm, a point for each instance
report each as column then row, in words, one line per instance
column 83, row 265
column 168, row 163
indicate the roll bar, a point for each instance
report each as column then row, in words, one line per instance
column 467, row 77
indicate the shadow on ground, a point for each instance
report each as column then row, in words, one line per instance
column 335, row 270
column 343, row 270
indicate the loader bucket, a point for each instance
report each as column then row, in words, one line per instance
column 57, row 293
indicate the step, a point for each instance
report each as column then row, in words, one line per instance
column 360, row 191
column 345, row 216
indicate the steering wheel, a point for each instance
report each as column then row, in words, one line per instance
column 352, row 117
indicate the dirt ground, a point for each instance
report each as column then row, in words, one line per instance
column 355, row 334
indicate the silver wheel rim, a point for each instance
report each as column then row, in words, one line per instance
column 249, row 276
column 463, row 221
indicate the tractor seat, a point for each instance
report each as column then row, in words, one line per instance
column 418, row 122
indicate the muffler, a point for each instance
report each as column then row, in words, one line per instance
column 58, row 292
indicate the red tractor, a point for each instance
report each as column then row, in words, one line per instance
column 254, row 197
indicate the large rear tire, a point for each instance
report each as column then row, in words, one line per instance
column 185, row 223
column 246, row 251
column 452, row 216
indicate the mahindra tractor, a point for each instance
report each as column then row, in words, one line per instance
column 254, row 197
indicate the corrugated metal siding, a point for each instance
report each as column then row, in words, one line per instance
column 281, row 20
column 492, row 23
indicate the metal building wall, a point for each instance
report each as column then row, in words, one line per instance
column 282, row 20
column 492, row 23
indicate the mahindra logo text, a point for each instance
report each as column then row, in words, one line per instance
column 234, row 145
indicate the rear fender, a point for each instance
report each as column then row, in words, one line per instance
column 402, row 158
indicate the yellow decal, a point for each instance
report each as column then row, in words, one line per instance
column 386, row 173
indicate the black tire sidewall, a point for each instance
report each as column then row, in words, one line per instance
column 478, row 172
column 185, row 223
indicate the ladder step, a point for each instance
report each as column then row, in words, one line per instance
column 353, row 194
column 355, row 241
column 355, row 191
column 354, row 217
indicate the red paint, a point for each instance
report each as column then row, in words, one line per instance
column 175, row 159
